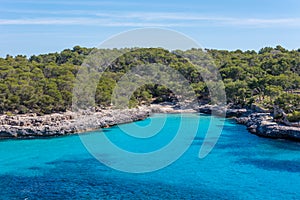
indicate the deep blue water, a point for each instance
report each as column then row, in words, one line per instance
column 241, row 166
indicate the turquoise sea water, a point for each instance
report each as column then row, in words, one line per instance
column 241, row 166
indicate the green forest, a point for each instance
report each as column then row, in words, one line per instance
column 43, row 83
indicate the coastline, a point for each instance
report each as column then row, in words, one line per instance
column 28, row 126
column 58, row 124
column 258, row 122
column 263, row 125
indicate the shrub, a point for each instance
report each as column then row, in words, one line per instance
column 294, row 117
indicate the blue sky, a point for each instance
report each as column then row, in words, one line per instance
column 42, row 26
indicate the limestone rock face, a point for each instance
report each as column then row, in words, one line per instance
column 258, row 109
column 262, row 124
column 31, row 125
column 223, row 111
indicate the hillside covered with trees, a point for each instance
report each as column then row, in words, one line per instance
column 43, row 83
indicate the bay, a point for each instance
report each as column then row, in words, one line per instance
column 240, row 166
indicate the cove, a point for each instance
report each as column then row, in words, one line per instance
column 241, row 166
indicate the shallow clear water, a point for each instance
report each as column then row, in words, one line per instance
column 241, row 166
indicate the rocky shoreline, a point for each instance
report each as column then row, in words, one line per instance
column 223, row 111
column 258, row 122
column 32, row 126
column 263, row 124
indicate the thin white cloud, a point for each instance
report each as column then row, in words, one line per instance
column 137, row 19
column 162, row 16
column 83, row 21
column 196, row 19
column 276, row 21
column 46, row 21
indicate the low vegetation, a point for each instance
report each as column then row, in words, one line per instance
column 44, row 83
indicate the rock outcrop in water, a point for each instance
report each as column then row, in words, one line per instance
column 31, row 125
column 257, row 120
column 262, row 124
